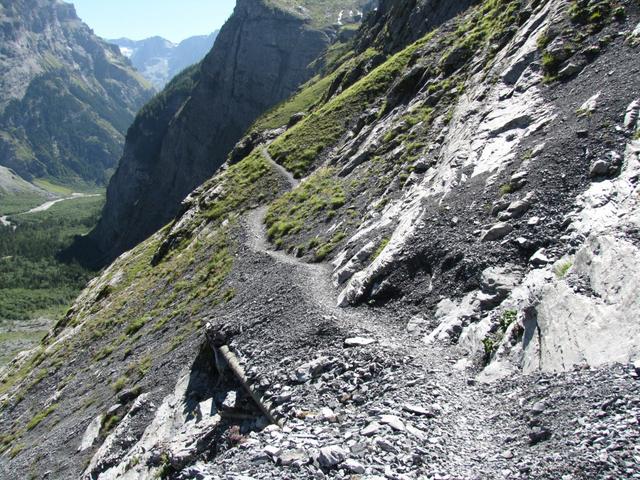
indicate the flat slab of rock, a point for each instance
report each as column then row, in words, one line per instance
column 497, row 232
column 418, row 410
column 358, row 342
column 393, row 421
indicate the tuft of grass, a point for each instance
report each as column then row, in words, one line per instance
column 381, row 246
column 324, row 251
column 507, row 318
column 506, row 189
column 16, row 450
column 563, row 268
column 120, row 383
column 38, row 418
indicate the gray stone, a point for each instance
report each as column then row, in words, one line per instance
column 569, row 70
column 290, row 457
column 418, row 410
column 496, row 232
column 393, row 421
column 631, row 115
column 371, row 429
column 353, row 466
column 539, row 258
column 599, row 168
column 331, row 456
column 539, row 434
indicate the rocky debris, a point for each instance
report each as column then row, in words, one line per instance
column 497, row 232
column 517, row 208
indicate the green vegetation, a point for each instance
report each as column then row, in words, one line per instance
column 243, row 182
column 120, row 383
column 31, row 279
column 299, row 147
column 35, row 421
column 492, row 341
column 381, row 246
column 317, row 197
column 507, row 318
column 109, row 422
column 304, row 100
column 561, row 269
column 506, row 189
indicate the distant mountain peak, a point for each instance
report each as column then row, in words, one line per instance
column 159, row 59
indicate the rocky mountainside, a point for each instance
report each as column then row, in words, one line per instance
column 159, row 60
column 261, row 56
column 67, row 97
column 424, row 264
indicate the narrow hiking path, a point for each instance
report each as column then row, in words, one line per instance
column 470, row 433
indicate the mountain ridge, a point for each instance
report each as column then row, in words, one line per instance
column 159, row 60
column 68, row 97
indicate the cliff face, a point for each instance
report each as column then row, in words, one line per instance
column 261, row 56
column 67, row 96
column 430, row 274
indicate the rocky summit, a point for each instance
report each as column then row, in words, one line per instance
column 422, row 263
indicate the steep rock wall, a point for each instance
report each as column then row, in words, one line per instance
column 260, row 57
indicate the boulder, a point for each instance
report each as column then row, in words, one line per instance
column 331, row 456
column 497, row 232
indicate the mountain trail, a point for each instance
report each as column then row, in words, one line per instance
column 470, row 436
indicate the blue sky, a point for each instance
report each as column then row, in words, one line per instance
column 174, row 20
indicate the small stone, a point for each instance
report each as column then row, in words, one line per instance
column 331, row 456
column 353, row 466
column 393, row 421
column 539, row 258
column 417, row 410
column 327, row 415
column 419, row 434
column 538, row 408
column 569, row 71
column 292, row 456
column 508, row 454
column 533, row 221
column 385, row 445
column 271, row 450
column 538, row 434
column 371, row 429
column 358, row 342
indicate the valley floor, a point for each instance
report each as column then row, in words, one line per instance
column 36, row 288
